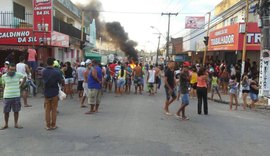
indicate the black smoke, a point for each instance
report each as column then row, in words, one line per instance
column 112, row 31
column 118, row 34
column 92, row 11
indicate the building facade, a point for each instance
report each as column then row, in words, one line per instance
column 52, row 27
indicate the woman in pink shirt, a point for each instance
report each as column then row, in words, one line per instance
column 202, row 91
column 32, row 58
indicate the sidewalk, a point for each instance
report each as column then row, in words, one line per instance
column 261, row 104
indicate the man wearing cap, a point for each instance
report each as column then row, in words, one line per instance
column 5, row 68
column 12, row 94
column 169, row 87
column 85, row 80
column 94, row 86
column 80, row 70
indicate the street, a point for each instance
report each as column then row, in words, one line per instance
column 135, row 125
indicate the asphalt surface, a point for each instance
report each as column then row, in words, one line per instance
column 135, row 125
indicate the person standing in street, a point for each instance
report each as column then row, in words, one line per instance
column 85, row 82
column 23, row 68
column 215, row 86
column 151, row 79
column 121, row 80
column 80, row 70
column 52, row 78
column 69, row 79
column 11, row 96
column 39, row 80
column 137, row 75
column 184, row 84
column 245, row 82
column 169, row 82
column 193, row 82
column 202, row 91
column 94, row 86
column 157, row 77
column 233, row 87
column 254, row 91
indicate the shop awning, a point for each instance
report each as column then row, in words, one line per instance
column 88, row 54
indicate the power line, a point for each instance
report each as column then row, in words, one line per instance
column 144, row 13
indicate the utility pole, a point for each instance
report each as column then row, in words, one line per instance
column 245, row 39
column 264, row 12
column 168, row 34
column 158, row 48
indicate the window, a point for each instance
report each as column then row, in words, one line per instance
column 234, row 20
column 19, row 11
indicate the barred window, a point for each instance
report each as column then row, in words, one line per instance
column 19, row 11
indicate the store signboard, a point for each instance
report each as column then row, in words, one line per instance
column 11, row 36
column 43, row 15
column 229, row 39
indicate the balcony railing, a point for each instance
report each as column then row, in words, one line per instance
column 66, row 28
column 7, row 20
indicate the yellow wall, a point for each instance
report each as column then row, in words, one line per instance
column 224, row 5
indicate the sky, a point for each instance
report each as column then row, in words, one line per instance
column 137, row 17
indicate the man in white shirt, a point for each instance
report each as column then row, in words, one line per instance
column 23, row 68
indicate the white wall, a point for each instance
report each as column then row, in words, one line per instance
column 6, row 5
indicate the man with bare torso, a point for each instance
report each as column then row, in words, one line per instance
column 137, row 74
column 157, row 77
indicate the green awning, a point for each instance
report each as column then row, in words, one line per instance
column 91, row 55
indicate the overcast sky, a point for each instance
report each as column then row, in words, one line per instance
column 137, row 17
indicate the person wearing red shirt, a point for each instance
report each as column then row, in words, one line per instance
column 112, row 74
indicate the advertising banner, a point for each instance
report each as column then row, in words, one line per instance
column 229, row 39
column 42, row 15
column 11, row 36
column 42, row 20
column 194, row 22
column 59, row 39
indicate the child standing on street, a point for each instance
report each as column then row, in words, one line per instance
column 233, row 85
column 215, row 84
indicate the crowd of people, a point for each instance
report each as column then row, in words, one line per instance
column 92, row 80
column 191, row 81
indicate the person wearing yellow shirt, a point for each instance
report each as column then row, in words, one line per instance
column 193, row 82
column 121, row 80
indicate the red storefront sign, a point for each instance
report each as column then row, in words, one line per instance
column 11, row 36
column 42, row 15
column 229, row 38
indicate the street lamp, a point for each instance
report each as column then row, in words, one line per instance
column 159, row 34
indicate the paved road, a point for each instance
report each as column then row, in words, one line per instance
column 135, row 125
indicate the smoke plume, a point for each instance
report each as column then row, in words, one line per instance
column 118, row 34
column 111, row 31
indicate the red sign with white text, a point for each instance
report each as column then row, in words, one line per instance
column 42, row 15
column 11, row 36
column 228, row 38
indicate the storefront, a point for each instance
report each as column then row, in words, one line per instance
column 227, row 42
column 18, row 40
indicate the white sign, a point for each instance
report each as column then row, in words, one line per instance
column 264, row 79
